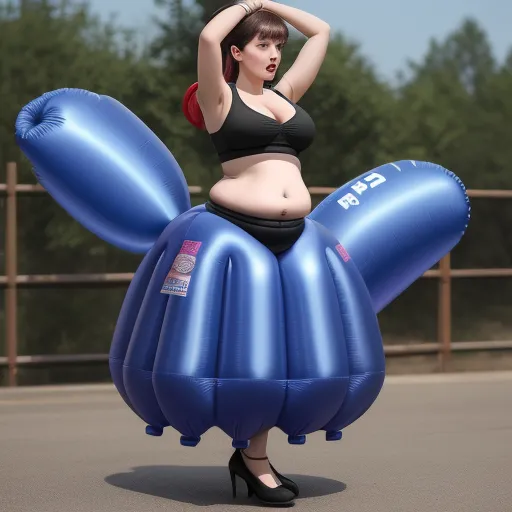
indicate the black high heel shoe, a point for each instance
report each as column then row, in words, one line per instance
column 279, row 495
column 287, row 483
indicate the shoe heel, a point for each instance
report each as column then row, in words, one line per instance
column 233, row 482
column 268, row 495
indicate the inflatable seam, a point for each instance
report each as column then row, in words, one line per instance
column 349, row 362
column 224, row 298
column 452, row 175
column 464, row 191
column 166, row 300
column 252, row 379
column 351, row 418
column 285, row 340
column 155, row 253
column 28, row 123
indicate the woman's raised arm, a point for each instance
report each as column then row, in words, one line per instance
column 301, row 75
column 211, row 84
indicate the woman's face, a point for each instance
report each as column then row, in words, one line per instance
column 260, row 58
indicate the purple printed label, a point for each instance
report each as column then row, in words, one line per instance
column 343, row 253
column 178, row 279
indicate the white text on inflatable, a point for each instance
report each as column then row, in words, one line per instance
column 374, row 180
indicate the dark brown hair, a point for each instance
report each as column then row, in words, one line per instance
column 264, row 24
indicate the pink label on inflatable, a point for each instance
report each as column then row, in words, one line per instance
column 178, row 279
column 190, row 247
column 342, row 252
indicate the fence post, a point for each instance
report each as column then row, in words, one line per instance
column 11, row 271
column 444, row 312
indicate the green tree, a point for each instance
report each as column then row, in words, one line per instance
column 455, row 110
column 441, row 113
column 173, row 55
column 67, row 47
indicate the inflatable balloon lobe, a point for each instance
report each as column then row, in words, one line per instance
column 396, row 222
column 103, row 165
column 216, row 330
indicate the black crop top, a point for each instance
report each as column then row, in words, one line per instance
column 248, row 132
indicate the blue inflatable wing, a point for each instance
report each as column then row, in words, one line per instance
column 396, row 222
column 103, row 165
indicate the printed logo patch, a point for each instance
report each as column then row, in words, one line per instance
column 178, row 278
column 343, row 253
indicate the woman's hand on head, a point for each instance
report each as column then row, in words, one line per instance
column 268, row 5
column 255, row 5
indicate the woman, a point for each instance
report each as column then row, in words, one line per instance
column 282, row 333
column 258, row 133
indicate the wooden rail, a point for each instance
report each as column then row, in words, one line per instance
column 11, row 282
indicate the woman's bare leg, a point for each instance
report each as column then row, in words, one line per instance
column 260, row 468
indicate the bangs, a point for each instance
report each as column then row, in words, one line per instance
column 270, row 26
column 276, row 33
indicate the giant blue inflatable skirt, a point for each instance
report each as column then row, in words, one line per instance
column 215, row 330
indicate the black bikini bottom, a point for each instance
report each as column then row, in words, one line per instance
column 277, row 235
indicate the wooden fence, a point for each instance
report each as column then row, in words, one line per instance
column 11, row 282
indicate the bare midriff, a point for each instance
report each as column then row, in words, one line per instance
column 268, row 186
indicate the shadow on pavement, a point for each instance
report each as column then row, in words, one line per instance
column 206, row 486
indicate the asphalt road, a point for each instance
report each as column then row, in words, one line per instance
column 429, row 443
